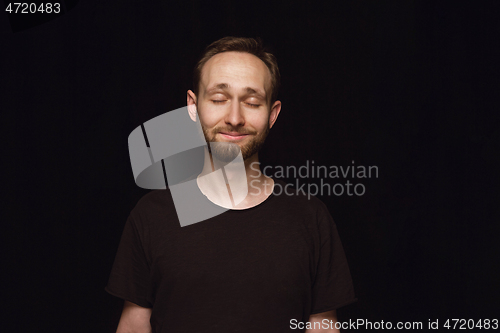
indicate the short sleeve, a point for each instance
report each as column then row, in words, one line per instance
column 130, row 274
column 332, row 287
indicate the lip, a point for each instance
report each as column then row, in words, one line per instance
column 233, row 135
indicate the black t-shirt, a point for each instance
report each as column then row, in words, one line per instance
column 251, row 270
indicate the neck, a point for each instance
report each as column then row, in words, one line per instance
column 243, row 180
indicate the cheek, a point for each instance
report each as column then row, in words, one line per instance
column 258, row 121
column 208, row 118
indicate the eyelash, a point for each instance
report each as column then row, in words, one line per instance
column 219, row 102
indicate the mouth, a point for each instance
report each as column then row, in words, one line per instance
column 233, row 136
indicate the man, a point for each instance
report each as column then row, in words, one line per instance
column 272, row 263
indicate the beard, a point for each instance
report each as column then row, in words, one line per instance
column 227, row 151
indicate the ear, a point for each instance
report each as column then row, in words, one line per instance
column 191, row 105
column 275, row 111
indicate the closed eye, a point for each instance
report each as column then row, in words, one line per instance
column 215, row 101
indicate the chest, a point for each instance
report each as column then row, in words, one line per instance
column 271, row 254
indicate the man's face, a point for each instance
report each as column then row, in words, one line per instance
column 233, row 103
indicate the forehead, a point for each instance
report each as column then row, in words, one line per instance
column 238, row 69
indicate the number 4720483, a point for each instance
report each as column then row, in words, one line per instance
column 27, row 8
column 463, row 324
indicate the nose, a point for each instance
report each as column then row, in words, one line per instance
column 234, row 115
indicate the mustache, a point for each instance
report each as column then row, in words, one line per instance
column 230, row 129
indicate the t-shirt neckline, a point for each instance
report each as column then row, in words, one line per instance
column 259, row 205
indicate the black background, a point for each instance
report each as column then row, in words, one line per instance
column 411, row 87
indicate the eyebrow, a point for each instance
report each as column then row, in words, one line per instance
column 225, row 86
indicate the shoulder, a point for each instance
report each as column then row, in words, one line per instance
column 153, row 207
column 154, row 198
column 299, row 199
